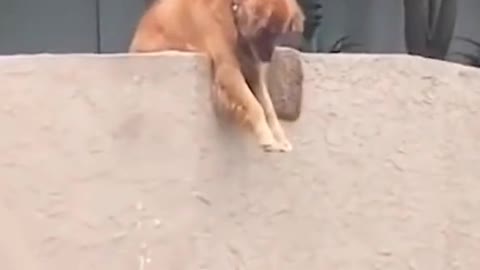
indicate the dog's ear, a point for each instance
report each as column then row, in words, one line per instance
column 296, row 20
column 252, row 16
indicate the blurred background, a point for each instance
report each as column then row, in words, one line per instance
column 441, row 29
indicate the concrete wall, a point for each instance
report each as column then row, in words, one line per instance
column 117, row 162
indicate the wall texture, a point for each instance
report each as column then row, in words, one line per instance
column 116, row 162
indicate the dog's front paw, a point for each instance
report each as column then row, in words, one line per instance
column 285, row 145
column 277, row 147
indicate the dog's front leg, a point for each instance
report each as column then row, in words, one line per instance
column 263, row 96
column 262, row 49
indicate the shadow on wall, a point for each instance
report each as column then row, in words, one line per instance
column 429, row 28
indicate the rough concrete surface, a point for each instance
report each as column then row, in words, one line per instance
column 116, row 162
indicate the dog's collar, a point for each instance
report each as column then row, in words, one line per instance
column 235, row 6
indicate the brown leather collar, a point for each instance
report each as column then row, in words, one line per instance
column 235, row 6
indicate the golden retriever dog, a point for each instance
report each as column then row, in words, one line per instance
column 238, row 37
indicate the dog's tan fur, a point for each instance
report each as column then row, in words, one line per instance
column 238, row 36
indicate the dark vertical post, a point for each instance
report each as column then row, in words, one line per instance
column 97, row 26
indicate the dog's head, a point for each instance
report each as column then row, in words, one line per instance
column 276, row 17
column 262, row 22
